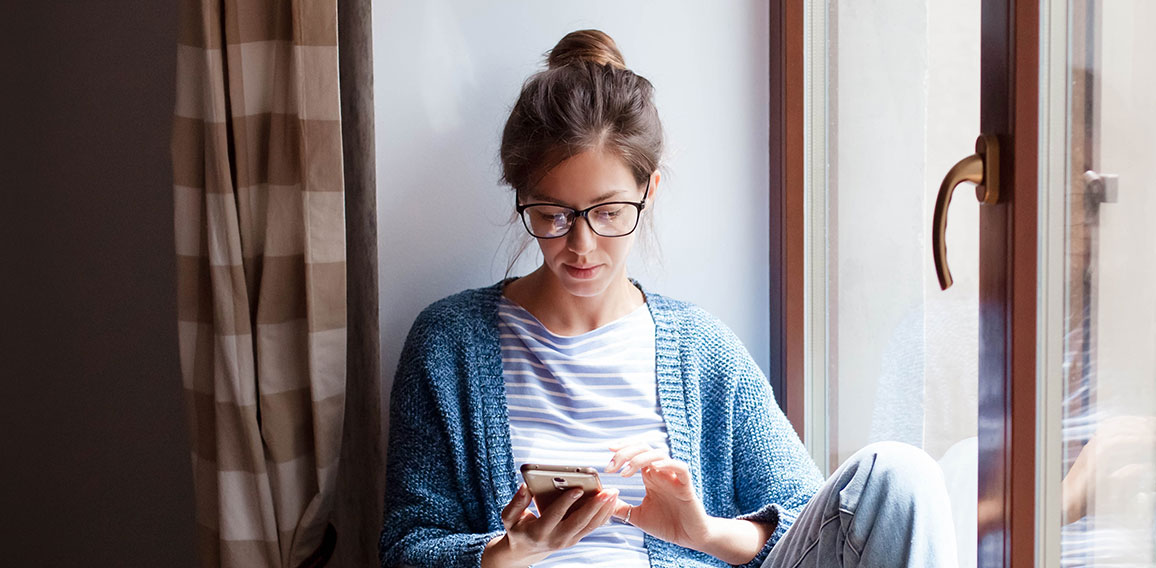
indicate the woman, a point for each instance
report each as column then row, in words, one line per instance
column 577, row 364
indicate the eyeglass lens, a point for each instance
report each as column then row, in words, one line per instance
column 607, row 220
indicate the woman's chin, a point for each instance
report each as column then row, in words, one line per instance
column 585, row 285
column 585, row 288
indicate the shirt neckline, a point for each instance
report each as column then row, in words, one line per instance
column 502, row 299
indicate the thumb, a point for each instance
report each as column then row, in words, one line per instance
column 516, row 509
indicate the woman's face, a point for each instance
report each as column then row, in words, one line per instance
column 584, row 263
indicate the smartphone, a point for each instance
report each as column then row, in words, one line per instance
column 548, row 482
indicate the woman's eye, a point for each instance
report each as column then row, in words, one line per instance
column 609, row 214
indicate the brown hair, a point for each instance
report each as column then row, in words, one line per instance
column 586, row 99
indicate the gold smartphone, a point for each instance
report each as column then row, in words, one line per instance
column 548, row 482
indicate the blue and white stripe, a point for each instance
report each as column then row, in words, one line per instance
column 569, row 398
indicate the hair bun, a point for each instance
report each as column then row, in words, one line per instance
column 585, row 45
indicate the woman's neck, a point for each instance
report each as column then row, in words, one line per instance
column 565, row 314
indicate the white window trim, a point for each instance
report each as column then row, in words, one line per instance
column 815, row 279
column 1054, row 138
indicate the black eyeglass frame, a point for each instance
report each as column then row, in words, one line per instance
column 584, row 214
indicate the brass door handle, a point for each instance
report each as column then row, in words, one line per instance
column 980, row 168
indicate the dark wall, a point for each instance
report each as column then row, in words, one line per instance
column 96, row 467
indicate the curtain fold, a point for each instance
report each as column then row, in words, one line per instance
column 261, row 269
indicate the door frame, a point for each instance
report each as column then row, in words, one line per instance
column 1008, row 262
column 786, row 215
column 1008, row 287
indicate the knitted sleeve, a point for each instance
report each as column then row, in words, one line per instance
column 426, row 518
column 774, row 475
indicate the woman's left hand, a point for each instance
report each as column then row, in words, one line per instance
column 673, row 512
column 670, row 510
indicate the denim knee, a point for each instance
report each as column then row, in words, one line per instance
column 885, row 506
column 902, row 509
column 905, row 465
column 904, row 473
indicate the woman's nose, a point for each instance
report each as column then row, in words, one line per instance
column 581, row 239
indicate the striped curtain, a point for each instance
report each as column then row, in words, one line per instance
column 261, row 264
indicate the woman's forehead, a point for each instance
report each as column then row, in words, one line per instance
column 588, row 177
column 614, row 195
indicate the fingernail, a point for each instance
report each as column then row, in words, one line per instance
column 610, row 465
column 576, row 494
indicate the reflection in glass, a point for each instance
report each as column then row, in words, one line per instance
column 1109, row 417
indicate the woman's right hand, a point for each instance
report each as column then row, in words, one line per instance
column 531, row 538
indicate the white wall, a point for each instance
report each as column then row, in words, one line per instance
column 446, row 73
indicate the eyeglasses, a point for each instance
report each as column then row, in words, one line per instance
column 609, row 219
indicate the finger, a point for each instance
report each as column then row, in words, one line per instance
column 660, row 481
column 656, row 478
column 580, row 518
column 554, row 513
column 624, row 455
column 603, row 514
column 679, row 469
column 642, row 460
column 512, row 512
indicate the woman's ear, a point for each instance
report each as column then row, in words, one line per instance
column 654, row 179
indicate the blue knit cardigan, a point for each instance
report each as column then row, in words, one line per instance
column 450, row 464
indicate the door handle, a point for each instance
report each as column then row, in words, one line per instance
column 980, row 168
column 1102, row 188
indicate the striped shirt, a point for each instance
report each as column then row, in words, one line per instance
column 569, row 398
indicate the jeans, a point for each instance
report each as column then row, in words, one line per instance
column 885, row 507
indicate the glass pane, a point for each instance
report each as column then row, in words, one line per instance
column 903, row 107
column 1108, row 429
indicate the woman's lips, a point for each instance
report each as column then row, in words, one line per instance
column 582, row 273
